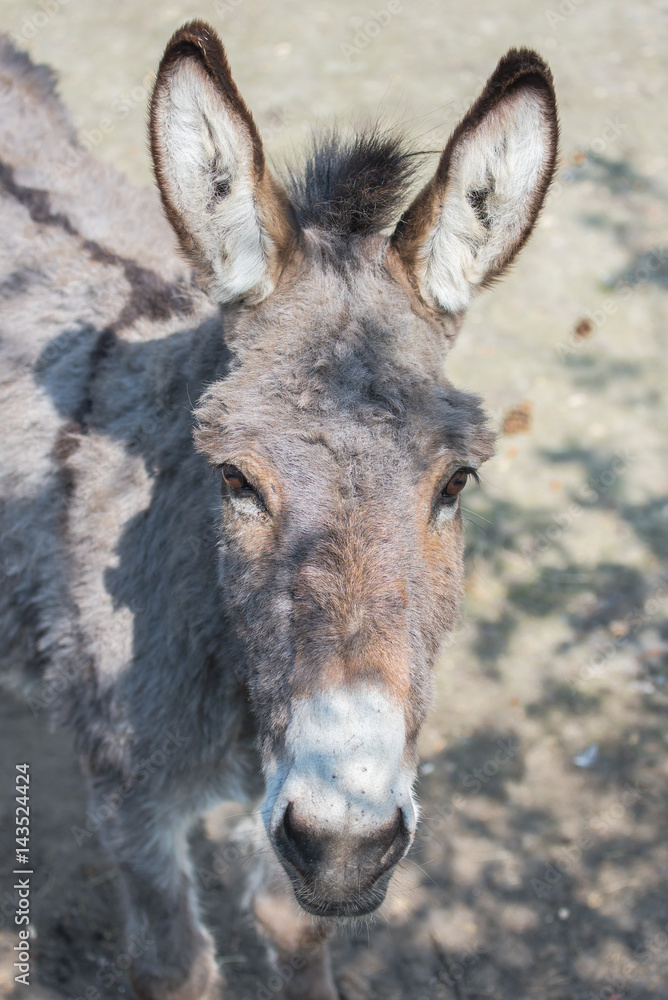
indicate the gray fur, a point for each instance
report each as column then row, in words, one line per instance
column 156, row 621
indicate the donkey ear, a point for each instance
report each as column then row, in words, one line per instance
column 468, row 223
column 233, row 220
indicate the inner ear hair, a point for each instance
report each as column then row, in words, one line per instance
column 478, row 210
column 233, row 220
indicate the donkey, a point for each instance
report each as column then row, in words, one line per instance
column 232, row 536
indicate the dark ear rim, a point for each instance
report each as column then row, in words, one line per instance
column 198, row 41
column 518, row 69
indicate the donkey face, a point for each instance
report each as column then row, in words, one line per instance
column 342, row 447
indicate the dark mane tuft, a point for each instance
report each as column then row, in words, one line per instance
column 352, row 186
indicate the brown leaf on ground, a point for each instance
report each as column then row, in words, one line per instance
column 518, row 419
column 583, row 328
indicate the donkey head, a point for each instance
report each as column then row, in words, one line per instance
column 342, row 447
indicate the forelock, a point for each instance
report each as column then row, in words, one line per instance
column 352, row 185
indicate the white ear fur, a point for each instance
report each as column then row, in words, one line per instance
column 477, row 212
column 499, row 168
column 219, row 196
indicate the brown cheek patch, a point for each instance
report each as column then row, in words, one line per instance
column 443, row 561
column 256, row 537
column 443, row 550
column 443, row 553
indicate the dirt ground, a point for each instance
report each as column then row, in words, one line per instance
column 541, row 868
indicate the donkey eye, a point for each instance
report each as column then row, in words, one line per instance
column 455, row 484
column 240, row 489
column 234, row 478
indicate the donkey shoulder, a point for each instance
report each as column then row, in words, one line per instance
column 104, row 344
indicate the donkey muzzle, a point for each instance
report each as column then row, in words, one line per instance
column 339, row 875
column 339, row 810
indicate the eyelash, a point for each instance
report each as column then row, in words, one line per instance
column 442, row 499
column 452, row 500
column 245, row 491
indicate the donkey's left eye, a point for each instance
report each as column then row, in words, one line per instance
column 455, row 484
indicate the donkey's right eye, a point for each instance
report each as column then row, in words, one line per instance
column 235, row 479
column 239, row 489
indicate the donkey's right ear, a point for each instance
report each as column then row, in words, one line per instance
column 232, row 218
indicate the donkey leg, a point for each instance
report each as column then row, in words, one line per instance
column 173, row 956
column 301, row 943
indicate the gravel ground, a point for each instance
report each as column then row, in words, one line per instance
column 541, row 869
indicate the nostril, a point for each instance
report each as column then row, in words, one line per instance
column 295, row 843
column 306, row 850
column 398, row 839
column 294, row 833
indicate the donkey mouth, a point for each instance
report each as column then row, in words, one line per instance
column 361, row 905
column 339, row 874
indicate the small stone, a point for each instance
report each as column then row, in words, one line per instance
column 587, row 757
column 564, row 913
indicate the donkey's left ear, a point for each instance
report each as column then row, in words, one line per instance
column 466, row 226
column 232, row 218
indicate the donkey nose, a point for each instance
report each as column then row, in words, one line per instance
column 309, row 851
